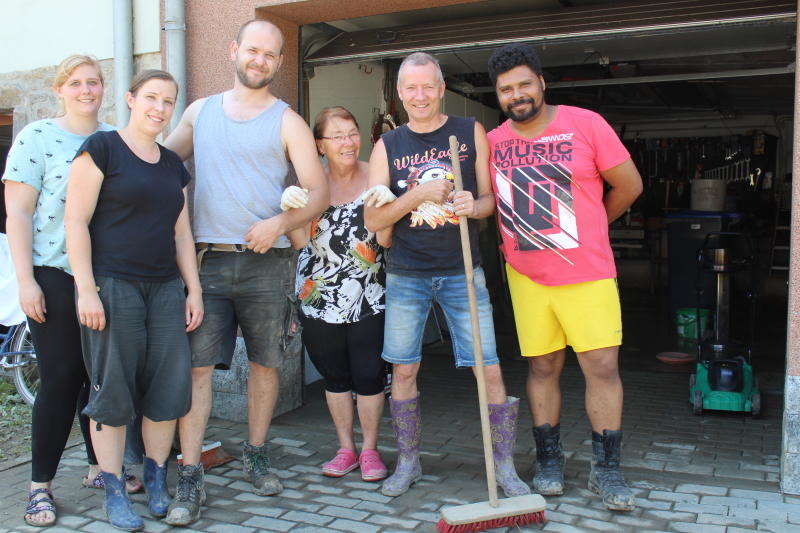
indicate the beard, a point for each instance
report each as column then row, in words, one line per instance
column 241, row 73
column 522, row 116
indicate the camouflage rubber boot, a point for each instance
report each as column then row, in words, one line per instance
column 503, row 427
column 605, row 478
column 257, row 469
column 190, row 494
column 408, row 430
column 548, row 478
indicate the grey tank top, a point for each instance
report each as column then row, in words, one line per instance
column 240, row 172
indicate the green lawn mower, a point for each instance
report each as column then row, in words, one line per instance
column 723, row 378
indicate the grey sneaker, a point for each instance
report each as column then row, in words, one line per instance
column 257, row 470
column 190, row 494
column 605, row 478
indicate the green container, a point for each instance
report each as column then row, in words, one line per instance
column 686, row 321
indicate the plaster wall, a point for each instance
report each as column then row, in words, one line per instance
column 455, row 104
column 356, row 86
column 43, row 32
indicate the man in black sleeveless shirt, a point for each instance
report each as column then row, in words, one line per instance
column 425, row 264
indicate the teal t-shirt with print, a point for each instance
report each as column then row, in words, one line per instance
column 41, row 156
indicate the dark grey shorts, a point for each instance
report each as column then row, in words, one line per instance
column 141, row 361
column 249, row 290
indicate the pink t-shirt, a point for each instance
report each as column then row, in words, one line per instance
column 549, row 195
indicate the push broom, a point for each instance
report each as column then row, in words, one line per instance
column 508, row 512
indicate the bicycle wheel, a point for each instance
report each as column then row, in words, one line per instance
column 26, row 375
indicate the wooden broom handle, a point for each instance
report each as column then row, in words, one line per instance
column 463, row 226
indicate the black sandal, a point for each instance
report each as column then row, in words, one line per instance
column 40, row 505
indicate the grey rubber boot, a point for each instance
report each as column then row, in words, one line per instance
column 548, row 478
column 257, row 469
column 408, row 430
column 605, row 478
column 190, row 494
column 503, row 427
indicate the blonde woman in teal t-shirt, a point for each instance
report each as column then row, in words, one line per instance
column 35, row 180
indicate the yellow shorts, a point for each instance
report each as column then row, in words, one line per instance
column 584, row 315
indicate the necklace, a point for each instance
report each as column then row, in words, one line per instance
column 149, row 155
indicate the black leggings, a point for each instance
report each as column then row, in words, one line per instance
column 64, row 382
column 347, row 355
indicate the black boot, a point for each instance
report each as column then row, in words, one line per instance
column 605, row 478
column 548, row 479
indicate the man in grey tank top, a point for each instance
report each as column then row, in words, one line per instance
column 243, row 141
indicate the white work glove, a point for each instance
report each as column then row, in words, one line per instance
column 378, row 195
column 294, row 197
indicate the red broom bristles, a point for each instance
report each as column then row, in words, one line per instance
column 507, row 521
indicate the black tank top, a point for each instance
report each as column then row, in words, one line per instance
column 426, row 242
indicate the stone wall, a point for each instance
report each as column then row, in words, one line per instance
column 28, row 94
column 230, row 386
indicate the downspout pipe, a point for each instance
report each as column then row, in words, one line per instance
column 175, row 39
column 123, row 58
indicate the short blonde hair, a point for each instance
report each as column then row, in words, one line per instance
column 68, row 66
column 65, row 69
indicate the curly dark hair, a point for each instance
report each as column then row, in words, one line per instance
column 513, row 55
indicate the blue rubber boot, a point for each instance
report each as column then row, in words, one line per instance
column 155, row 483
column 119, row 510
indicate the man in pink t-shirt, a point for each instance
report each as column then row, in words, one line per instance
column 550, row 166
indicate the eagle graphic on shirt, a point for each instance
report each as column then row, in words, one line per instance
column 430, row 213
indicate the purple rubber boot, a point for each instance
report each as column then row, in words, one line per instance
column 503, row 424
column 408, row 430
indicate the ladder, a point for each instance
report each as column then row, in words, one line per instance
column 779, row 256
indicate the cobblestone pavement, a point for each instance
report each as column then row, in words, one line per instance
column 712, row 474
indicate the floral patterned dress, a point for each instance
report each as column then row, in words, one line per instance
column 340, row 272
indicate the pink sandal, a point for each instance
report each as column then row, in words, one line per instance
column 372, row 468
column 344, row 462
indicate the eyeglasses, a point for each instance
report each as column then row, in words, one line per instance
column 341, row 139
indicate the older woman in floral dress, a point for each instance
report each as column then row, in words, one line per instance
column 340, row 284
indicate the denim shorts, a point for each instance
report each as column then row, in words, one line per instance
column 140, row 362
column 250, row 291
column 408, row 302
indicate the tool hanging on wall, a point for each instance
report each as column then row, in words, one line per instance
column 733, row 172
